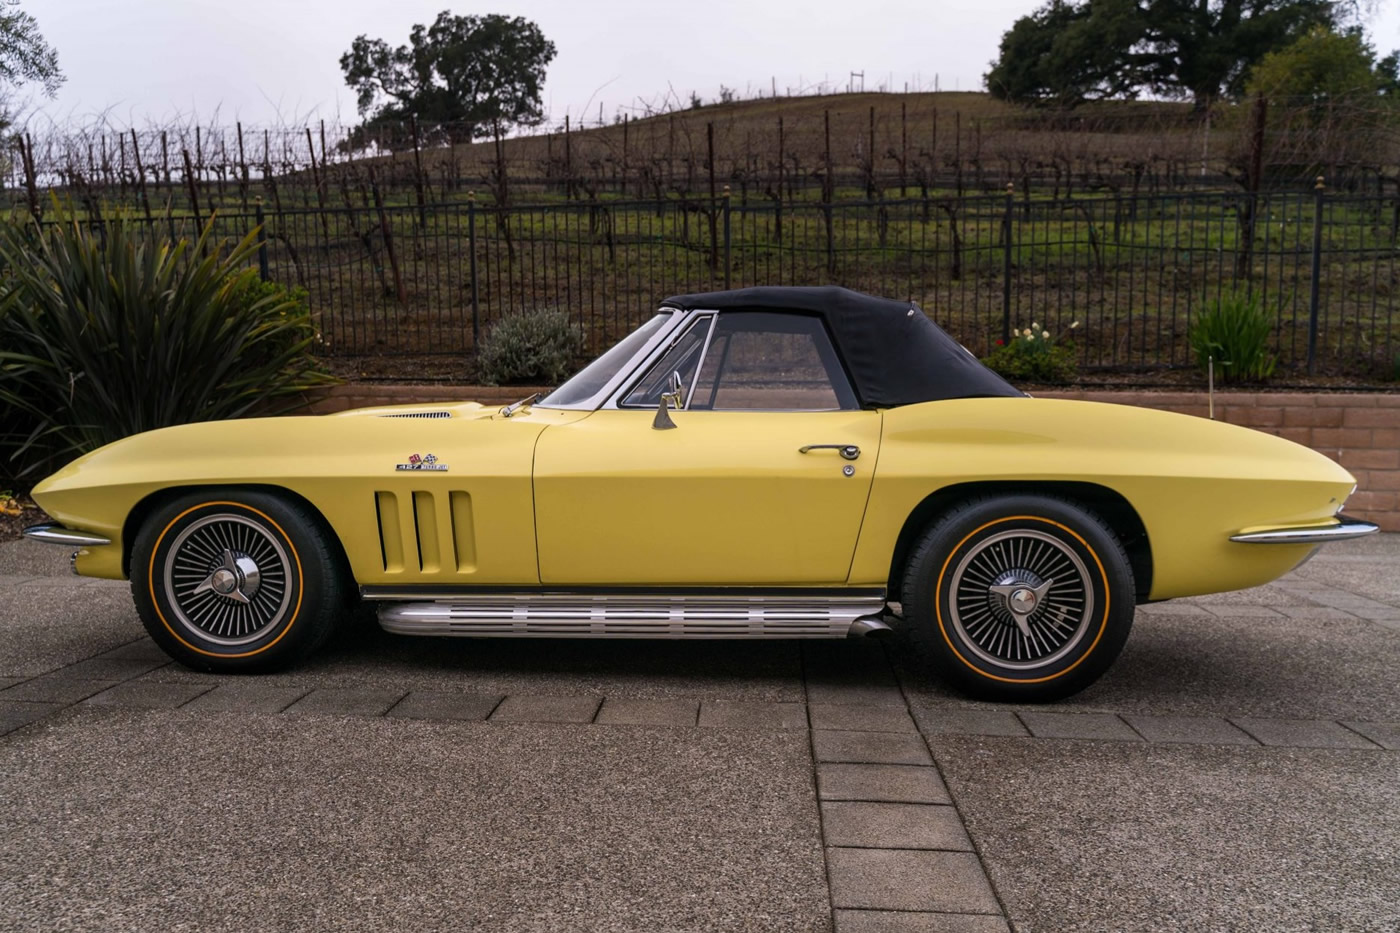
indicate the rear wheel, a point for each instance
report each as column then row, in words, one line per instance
column 236, row 581
column 1020, row 598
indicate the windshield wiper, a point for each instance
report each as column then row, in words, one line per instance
column 513, row 407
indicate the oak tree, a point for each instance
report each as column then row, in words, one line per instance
column 476, row 75
column 1068, row 52
column 24, row 55
column 1324, row 66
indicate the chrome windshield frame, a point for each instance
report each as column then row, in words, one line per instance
column 692, row 318
column 624, row 372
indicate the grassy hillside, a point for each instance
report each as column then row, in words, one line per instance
column 869, row 145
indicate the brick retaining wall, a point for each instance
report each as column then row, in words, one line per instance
column 1361, row 431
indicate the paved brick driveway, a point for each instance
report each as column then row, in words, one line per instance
column 1239, row 768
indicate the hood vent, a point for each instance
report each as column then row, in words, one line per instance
column 419, row 414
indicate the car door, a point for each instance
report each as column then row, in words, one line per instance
column 763, row 480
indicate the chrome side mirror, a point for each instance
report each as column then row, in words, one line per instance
column 674, row 398
column 677, row 390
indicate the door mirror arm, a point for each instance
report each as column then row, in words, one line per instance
column 675, row 398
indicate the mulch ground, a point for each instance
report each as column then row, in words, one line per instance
column 12, row 525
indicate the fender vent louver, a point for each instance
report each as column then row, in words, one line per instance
column 419, row 414
column 426, row 532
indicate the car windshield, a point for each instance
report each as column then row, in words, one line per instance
column 588, row 382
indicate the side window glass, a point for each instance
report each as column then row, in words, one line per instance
column 683, row 358
column 775, row 362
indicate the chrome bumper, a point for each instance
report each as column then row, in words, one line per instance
column 57, row 534
column 1345, row 530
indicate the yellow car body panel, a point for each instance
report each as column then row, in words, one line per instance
column 480, row 508
column 1193, row 482
column 724, row 499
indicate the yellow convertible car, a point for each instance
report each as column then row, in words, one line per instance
column 762, row 463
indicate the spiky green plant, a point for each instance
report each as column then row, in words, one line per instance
column 105, row 331
column 1235, row 331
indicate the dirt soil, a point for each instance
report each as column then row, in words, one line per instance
column 416, row 369
column 12, row 525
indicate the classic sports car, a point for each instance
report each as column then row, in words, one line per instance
column 763, row 463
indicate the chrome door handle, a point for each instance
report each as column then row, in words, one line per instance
column 847, row 451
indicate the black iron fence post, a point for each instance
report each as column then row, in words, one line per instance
column 1314, row 294
column 728, row 241
column 262, row 242
column 471, row 251
column 1006, row 264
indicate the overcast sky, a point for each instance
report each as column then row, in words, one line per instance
column 265, row 60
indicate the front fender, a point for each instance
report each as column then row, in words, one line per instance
column 338, row 464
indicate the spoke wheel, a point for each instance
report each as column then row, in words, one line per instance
column 238, row 580
column 228, row 579
column 1021, row 599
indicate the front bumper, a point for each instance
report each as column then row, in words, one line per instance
column 57, row 534
column 1344, row 529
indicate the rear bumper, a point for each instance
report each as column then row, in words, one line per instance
column 1344, row 529
column 57, row 534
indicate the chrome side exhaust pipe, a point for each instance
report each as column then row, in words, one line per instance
column 868, row 627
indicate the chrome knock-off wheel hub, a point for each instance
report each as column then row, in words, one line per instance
column 227, row 579
column 1021, row 599
column 237, row 578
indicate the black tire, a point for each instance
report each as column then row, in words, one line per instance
column 993, row 569
column 237, row 581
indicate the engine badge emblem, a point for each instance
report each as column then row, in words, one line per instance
column 419, row 462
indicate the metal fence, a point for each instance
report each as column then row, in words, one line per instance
column 1134, row 272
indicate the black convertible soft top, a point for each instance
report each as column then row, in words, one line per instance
column 896, row 355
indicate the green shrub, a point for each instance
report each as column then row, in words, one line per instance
column 533, row 348
column 107, row 332
column 1034, row 355
column 1235, row 331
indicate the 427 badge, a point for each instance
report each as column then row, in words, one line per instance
column 416, row 462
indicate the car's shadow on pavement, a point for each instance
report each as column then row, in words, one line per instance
column 1187, row 662
column 361, row 654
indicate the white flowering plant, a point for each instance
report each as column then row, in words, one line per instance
column 1035, row 354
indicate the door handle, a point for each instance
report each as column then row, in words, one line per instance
column 847, row 451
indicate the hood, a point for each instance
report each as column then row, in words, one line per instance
column 428, row 411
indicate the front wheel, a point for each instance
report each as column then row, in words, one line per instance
column 236, row 581
column 1020, row 598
